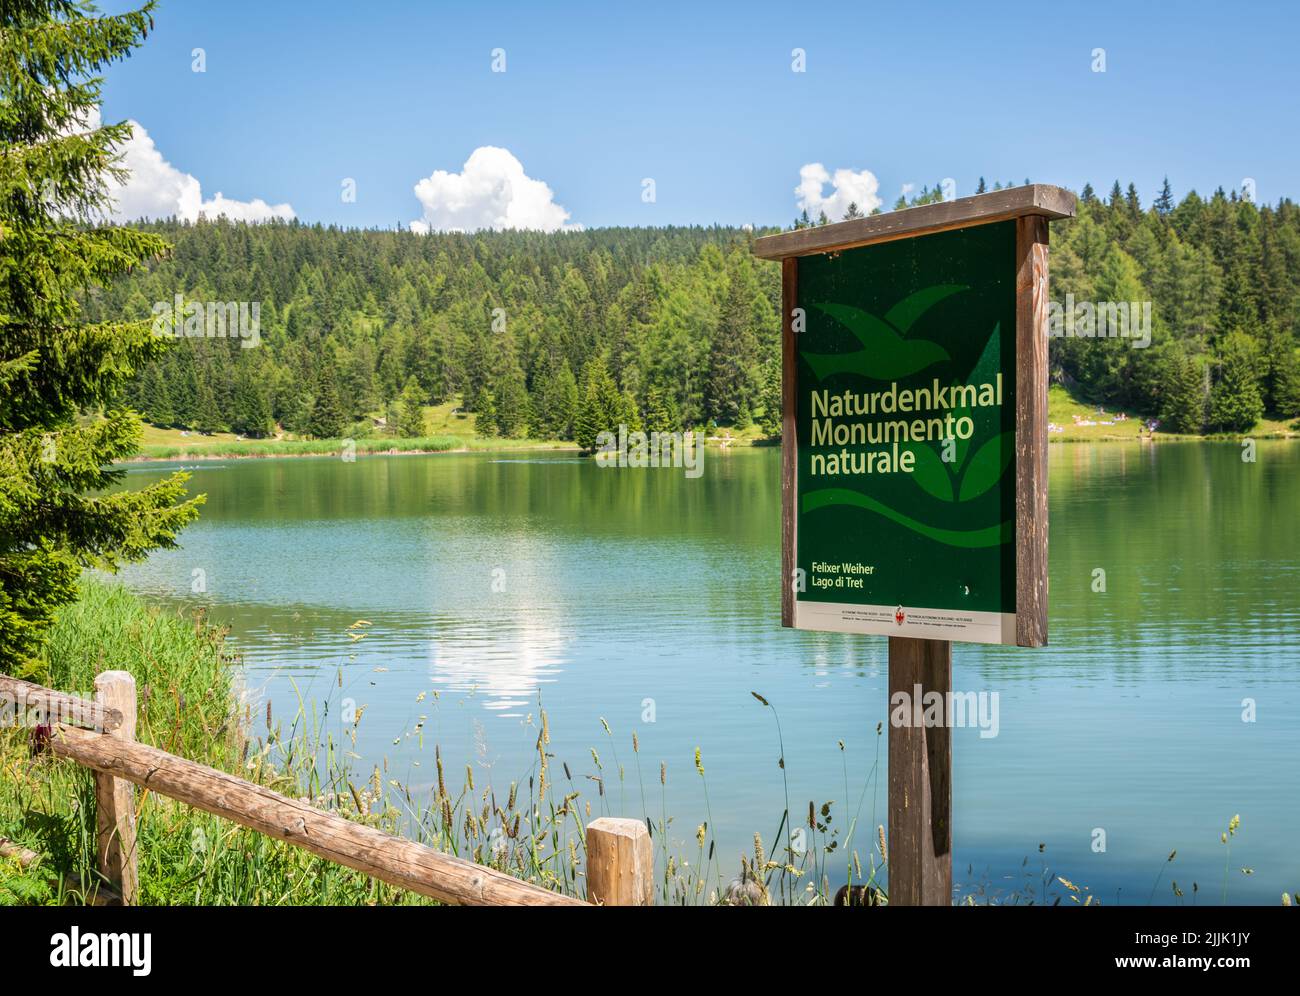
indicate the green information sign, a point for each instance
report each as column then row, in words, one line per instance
column 905, row 423
column 914, row 462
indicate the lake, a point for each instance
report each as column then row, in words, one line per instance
column 1164, row 705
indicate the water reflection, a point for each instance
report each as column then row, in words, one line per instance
column 505, row 663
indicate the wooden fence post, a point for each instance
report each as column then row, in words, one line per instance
column 620, row 863
column 115, row 797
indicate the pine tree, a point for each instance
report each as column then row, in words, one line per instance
column 587, row 422
column 983, row 187
column 512, row 406
column 658, row 416
column 732, row 348
column 853, row 211
column 770, row 422
column 54, row 168
column 410, row 410
column 1236, row 403
column 252, row 409
column 626, row 414
column 601, row 405
column 327, row 420
column 554, row 402
column 1286, row 390
column 485, row 422
column 1133, row 203
column 1184, row 395
column 1164, row 204
column 155, row 397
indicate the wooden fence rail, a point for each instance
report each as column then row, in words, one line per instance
column 18, row 696
column 620, row 862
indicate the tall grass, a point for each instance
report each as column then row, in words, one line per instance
column 299, row 447
column 190, row 704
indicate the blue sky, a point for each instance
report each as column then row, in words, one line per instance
column 296, row 97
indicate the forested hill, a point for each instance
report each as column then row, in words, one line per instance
column 554, row 334
column 517, row 323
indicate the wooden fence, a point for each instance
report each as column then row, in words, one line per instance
column 100, row 735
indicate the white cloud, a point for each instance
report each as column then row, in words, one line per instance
column 848, row 187
column 157, row 189
column 491, row 191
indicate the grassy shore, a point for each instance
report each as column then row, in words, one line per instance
column 190, row 703
column 453, row 431
column 1081, row 422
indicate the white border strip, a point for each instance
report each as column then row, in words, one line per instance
column 917, row 623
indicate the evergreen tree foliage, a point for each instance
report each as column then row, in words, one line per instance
column 686, row 311
column 1236, row 402
column 512, row 412
column 1287, row 389
column 61, row 417
column 770, row 421
column 1184, row 395
column 327, row 420
column 410, row 410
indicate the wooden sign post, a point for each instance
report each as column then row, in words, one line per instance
column 914, row 464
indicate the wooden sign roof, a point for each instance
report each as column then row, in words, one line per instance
column 1000, row 205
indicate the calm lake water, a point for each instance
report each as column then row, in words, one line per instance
column 651, row 600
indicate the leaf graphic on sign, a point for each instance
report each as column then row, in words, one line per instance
column 987, row 466
column 907, row 311
column 931, row 473
column 885, row 352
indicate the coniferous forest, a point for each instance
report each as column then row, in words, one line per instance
column 559, row 336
